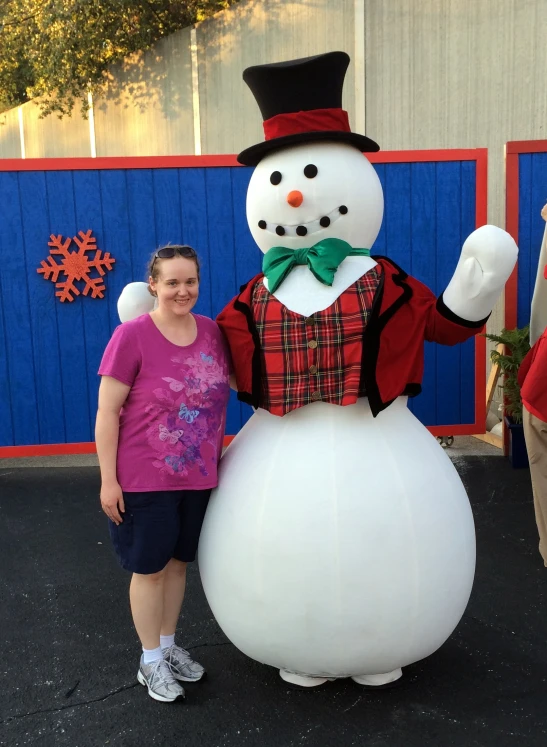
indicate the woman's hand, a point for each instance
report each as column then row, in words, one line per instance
column 544, row 212
column 112, row 502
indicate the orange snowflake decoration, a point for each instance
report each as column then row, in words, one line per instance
column 76, row 266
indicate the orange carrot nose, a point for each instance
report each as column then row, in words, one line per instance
column 295, row 198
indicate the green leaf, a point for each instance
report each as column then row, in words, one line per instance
column 517, row 345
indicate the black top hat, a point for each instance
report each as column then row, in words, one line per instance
column 301, row 101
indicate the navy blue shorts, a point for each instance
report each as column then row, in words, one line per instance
column 158, row 526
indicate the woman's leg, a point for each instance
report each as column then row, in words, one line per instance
column 192, row 506
column 146, row 594
column 191, row 512
column 182, row 666
column 174, row 586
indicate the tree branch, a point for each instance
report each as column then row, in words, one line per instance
column 21, row 21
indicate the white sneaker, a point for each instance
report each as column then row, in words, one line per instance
column 159, row 680
column 181, row 664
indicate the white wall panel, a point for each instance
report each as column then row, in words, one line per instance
column 10, row 141
column 147, row 110
column 52, row 137
column 255, row 32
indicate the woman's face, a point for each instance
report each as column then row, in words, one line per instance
column 177, row 285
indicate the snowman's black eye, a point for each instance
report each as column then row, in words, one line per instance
column 310, row 171
column 275, row 177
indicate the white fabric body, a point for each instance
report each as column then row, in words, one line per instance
column 337, row 544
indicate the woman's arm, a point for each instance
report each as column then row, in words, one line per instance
column 112, row 395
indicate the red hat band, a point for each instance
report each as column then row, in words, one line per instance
column 315, row 120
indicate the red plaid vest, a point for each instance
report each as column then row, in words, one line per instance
column 307, row 359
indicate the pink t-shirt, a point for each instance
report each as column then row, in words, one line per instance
column 172, row 423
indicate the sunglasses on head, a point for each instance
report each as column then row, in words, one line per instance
column 168, row 252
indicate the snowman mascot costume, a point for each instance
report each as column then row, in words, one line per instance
column 340, row 541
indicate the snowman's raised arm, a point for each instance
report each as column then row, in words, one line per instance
column 135, row 300
column 487, row 260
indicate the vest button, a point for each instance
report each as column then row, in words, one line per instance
column 316, row 396
column 313, row 369
column 312, row 344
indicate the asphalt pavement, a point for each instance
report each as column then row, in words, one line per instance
column 69, row 652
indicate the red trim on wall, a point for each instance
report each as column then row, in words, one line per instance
column 180, row 162
column 7, row 452
column 40, row 450
column 526, row 146
column 481, row 218
column 116, row 162
column 44, row 450
column 481, row 187
column 512, row 227
column 418, row 156
column 512, row 151
column 480, row 385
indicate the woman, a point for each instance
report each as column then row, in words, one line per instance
column 159, row 432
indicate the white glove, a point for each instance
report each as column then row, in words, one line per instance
column 135, row 300
column 487, row 260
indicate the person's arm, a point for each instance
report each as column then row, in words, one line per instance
column 538, row 310
column 112, row 395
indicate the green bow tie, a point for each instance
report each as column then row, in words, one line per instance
column 322, row 258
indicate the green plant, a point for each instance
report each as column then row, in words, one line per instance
column 517, row 344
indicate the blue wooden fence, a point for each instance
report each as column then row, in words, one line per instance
column 531, row 172
column 50, row 352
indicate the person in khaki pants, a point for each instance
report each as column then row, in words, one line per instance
column 532, row 378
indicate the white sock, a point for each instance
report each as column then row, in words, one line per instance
column 167, row 640
column 151, row 655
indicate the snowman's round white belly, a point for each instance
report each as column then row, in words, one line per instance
column 337, row 543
